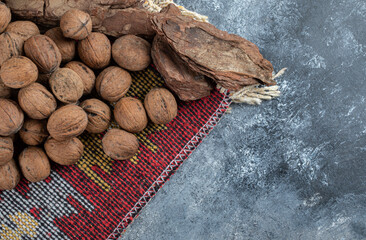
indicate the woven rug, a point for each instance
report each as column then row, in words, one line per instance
column 98, row 197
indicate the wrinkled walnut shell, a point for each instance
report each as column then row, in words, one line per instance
column 119, row 144
column 33, row 132
column 25, row 29
column 66, row 46
column 130, row 114
column 95, row 50
column 9, row 175
column 113, row 83
column 6, row 150
column 5, row 17
column 44, row 52
column 66, row 152
column 76, row 24
column 67, row 122
column 132, row 53
column 5, row 92
column 34, row 164
column 18, row 72
column 85, row 73
column 11, row 44
column 66, row 85
column 37, row 101
column 161, row 106
column 99, row 115
column 11, row 117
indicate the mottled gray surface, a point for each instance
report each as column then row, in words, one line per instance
column 293, row 168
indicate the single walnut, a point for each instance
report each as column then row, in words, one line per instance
column 11, row 44
column 99, row 115
column 132, row 53
column 9, row 175
column 44, row 52
column 37, row 101
column 66, row 46
column 25, row 29
column 66, row 85
column 161, row 106
column 66, row 152
column 113, row 83
column 18, row 72
column 67, row 122
column 11, row 117
column 6, row 150
column 85, row 73
column 34, row 164
column 33, row 132
column 95, row 50
column 5, row 92
column 119, row 144
column 130, row 114
column 76, row 24
column 5, row 17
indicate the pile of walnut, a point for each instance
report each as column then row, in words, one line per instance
column 40, row 94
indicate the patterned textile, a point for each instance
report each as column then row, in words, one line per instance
column 98, row 198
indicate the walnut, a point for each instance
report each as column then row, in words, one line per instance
column 25, row 29
column 76, row 24
column 33, row 132
column 37, row 101
column 95, row 50
column 11, row 44
column 132, row 53
column 119, row 144
column 5, row 92
column 18, row 72
column 66, row 85
column 66, row 152
column 99, row 115
column 5, row 17
column 34, row 164
column 9, row 175
column 113, row 83
column 66, row 46
column 6, row 150
column 44, row 52
column 11, row 117
column 161, row 106
column 85, row 73
column 130, row 114
column 67, row 122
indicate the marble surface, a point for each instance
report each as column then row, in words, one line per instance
column 292, row 168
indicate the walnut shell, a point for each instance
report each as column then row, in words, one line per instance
column 11, row 116
column 161, row 106
column 85, row 73
column 18, row 72
column 119, row 144
column 37, row 101
column 34, row 164
column 95, row 50
column 33, row 132
column 66, row 152
column 67, row 122
column 6, row 150
column 113, row 83
column 130, row 114
column 9, row 175
column 66, row 85
column 5, row 17
column 99, row 115
column 76, row 24
column 66, row 46
column 44, row 52
column 11, row 44
column 25, row 29
column 5, row 92
column 132, row 53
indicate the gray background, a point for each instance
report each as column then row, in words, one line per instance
column 292, row 168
